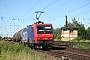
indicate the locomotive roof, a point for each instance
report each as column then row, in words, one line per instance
column 36, row 25
column 42, row 24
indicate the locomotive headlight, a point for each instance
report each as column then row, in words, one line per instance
column 38, row 38
column 45, row 38
column 50, row 38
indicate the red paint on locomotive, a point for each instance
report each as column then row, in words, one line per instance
column 42, row 36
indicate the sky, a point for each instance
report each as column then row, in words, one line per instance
column 17, row 14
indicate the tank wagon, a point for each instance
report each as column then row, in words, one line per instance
column 17, row 36
column 36, row 35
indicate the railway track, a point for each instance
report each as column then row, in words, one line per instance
column 67, row 53
column 80, row 45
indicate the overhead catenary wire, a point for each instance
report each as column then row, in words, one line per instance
column 78, row 7
column 74, row 9
column 61, row 5
column 31, row 8
column 49, row 5
column 31, row 17
column 28, row 11
column 7, row 11
column 7, row 8
column 2, row 18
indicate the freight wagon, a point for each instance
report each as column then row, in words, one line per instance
column 17, row 36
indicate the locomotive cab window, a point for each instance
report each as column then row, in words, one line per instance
column 44, row 29
column 48, row 30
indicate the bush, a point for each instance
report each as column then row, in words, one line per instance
column 76, row 39
column 8, row 46
column 0, row 37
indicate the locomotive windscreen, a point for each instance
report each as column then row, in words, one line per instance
column 44, row 29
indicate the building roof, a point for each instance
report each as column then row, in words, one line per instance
column 73, row 27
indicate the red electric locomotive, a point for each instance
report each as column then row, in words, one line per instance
column 38, row 34
column 43, row 34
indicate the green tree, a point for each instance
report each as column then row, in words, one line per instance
column 74, row 23
column 0, row 37
column 81, row 28
column 57, row 33
column 87, row 35
column 81, row 31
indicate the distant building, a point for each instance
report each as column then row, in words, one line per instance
column 69, row 33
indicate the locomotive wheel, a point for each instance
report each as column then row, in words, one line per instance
column 20, row 42
column 35, row 46
column 44, row 47
column 31, row 45
column 24, row 43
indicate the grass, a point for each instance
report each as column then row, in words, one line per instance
column 83, row 44
column 9, row 51
column 57, row 39
column 75, row 40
